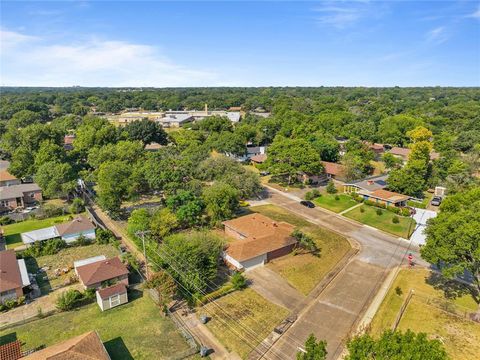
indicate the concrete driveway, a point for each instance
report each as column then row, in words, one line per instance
column 337, row 310
column 273, row 287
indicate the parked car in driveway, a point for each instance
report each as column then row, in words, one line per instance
column 436, row 201
column 308, row 204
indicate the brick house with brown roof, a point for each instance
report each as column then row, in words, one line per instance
column 259, row 239
column 93, row 275
column 385, row 197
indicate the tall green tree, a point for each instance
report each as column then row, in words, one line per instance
column 56, row 179
column 453, row 238
column 290, row 157
column 146, row 131
column 221, row 201
column 314, row 350
column 113, row 182
column 395, row 345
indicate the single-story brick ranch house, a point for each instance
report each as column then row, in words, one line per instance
column 388, row 198
column 13, row 276
column 69, row 231
column 259, row 239
column 94, row 272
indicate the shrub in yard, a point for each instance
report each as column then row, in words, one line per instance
column 306, row 242
column 10, row 304
column 404, row 212
column 398, row 291
column 309, row 196
column 362, row 209
column 5, row 220
column 77, row 206
column 104, row 236
column 83, row 241
column 331, row 189
column 70, row 299
column 238, row 281
column 41, row 248
column 337, row 197
column 379, row 212
column 395, row 219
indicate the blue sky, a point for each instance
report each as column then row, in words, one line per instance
column 227, row 43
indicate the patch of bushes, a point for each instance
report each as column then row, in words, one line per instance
column 337, row 197
column 12, row 303
column 105, row 236
column 331, row 189
column 5, row 220
column 42, row 248
column 362, row 209
column 50, row 210
column 416, row 204
column 77, row 206
column 238, row 281
column 224, row 290
column 83, row 241
column 306, row 242
column 379, row 212
column 357, row 197
column 70, row 299
column 395, row 219
column 312, row 194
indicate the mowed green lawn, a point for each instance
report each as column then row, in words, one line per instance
column 13, row 231
column 461, row 337
column 384, row 221
column 135, row 330
column 303, row 271
column 236, row 317
column 329, row 202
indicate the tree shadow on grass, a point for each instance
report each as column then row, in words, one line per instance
column 452, row 289
column 8, row 338
column 117, row 349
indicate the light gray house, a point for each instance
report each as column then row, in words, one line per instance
column 112, row 296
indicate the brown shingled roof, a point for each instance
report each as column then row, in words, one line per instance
column 389, row 195
column 5, row 175
column 101, row 271
column 333, row 168
column 263, row 235
column 84, row 347
column 75, row 226
column 10, row 277
column 118, row 288
column 260, row 158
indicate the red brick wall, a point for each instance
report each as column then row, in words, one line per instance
column 280, row 252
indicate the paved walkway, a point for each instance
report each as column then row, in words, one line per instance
column 28, row 311
column 274, row 288
column 350, row 208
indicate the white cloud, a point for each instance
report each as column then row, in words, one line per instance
column 475, row 14
column 27, row 60
column 437, row 35
column 342, row 14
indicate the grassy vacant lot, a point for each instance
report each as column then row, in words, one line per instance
column 461, row 337
column 65, row 259
column 134, row 330
column 329, row 202
column 304, row 271
column 384, row 221
column 13, row 231
column 243, row 310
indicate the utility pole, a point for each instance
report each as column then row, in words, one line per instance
column 141, row 234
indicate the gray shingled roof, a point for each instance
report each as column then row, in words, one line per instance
column 15, row 191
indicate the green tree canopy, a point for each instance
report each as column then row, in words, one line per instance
column 146, row 131
column 221, row 201
column 314, row 350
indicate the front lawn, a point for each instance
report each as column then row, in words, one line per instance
column 329, row 202
column 304, row 271
column 13, row 231
column 384, row 221
column 64, row 260
column 237, row 315
column 426, row 313
column 135, row 330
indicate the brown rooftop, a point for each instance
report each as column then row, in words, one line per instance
column 100, row 271
column 389, row 195
column 333, row 168
column 260, row 158
column 5, row 175
column 84, row 347
column 105, row 293
column 75, row 226
column 11, row 350
column 10, row 277
column 263, row 235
